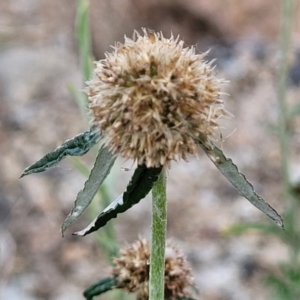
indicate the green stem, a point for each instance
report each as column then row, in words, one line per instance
column 159, row 228
column 286, row 19
column 291, row 215
column 106, row 238
column 83, row 35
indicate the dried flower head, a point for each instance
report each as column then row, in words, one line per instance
column 132, row 271
column 152, row 98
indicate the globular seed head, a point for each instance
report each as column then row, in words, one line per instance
column 132, row 271
column 152, row 98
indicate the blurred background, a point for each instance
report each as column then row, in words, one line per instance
column 39, row 61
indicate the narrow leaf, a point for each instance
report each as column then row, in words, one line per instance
column 260, row 227
column 140, row 185
column 81, row 100
column 76, row 146
column 239, row 181
column 80, row 166
column 100, row 287
column 103, row 164
column 84, row 38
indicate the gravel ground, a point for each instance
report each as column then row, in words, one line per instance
column 38, row 61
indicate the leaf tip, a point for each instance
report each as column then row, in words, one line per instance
column 62, row 230
column 280, row 223
column 25, row 172
column 78, row 233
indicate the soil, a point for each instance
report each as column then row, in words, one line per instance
column 39, row 61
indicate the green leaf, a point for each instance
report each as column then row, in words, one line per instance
column 140, row 185
column 103, row 164
column 245, row 227
column 100, row 287
column 239, row 181
column 77, row 146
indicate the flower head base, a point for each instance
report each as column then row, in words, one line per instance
column 132, row 271
column 152, row 99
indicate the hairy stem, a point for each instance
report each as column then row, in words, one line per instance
column 159, row 225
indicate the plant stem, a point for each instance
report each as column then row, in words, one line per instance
column 83, row 35
column 291, row 214
column 106, row 238
column 159, row 228
column 286, row 19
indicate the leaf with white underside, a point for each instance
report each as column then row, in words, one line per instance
column 239, row 181
column 77, row 146
column 103, row 164
column 139, row 186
